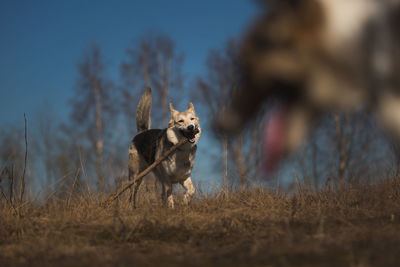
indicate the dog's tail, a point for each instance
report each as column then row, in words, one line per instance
column 143, row 111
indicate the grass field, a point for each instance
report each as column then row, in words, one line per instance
column 357, row 226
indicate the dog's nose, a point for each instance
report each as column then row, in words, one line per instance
column 190, row 127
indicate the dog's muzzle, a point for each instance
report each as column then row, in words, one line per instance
column 190, row 133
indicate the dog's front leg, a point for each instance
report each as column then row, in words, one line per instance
column 188, row 185
column 167, row 195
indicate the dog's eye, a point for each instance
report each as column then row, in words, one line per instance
column 191, row 118
column 180, row 121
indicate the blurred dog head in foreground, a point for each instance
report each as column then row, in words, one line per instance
column 316, row 56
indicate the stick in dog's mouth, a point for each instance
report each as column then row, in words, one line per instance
column 190, row 135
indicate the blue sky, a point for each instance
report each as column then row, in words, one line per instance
column 41, row 41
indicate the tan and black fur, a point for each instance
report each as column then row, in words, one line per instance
column 312, row 57
column 150, row 144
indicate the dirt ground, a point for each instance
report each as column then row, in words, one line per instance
column 356, row 226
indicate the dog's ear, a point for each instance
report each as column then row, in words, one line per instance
column 173, row 111
column 191, row 107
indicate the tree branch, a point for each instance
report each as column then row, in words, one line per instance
column 21, row 196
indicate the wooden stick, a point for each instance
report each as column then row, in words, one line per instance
column 122, row 189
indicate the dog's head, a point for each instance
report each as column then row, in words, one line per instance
column 309, row 58
column 186, row 123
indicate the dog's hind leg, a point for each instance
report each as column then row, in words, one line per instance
column 135, row 187
column 166, row 194
column 188, row 185
column 136, row 164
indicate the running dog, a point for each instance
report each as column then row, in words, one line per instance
column 150, row 144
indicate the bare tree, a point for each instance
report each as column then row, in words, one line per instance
column 152, row 61
column 12, row 159
column 394, row 145
column 44, row 141
column 355, row 139
column 215, row 90
column 93, row 107
column 345, row 148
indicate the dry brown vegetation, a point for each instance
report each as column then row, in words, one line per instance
column 357, row 226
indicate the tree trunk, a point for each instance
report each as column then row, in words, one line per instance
column 145, row 65
column 240, row 162
column 225, row 162
column 341, row 145
column 99, row 137
column 165, row 84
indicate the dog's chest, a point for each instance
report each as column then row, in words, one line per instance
column 179, row 165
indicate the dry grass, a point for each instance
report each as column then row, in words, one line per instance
column 358, row 226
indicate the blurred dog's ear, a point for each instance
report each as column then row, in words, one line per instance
column 272, row 4
column 304, row 10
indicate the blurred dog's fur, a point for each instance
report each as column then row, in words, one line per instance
column 150, row 144
column 316, row 56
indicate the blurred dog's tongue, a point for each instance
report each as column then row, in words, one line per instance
column 274, row 139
